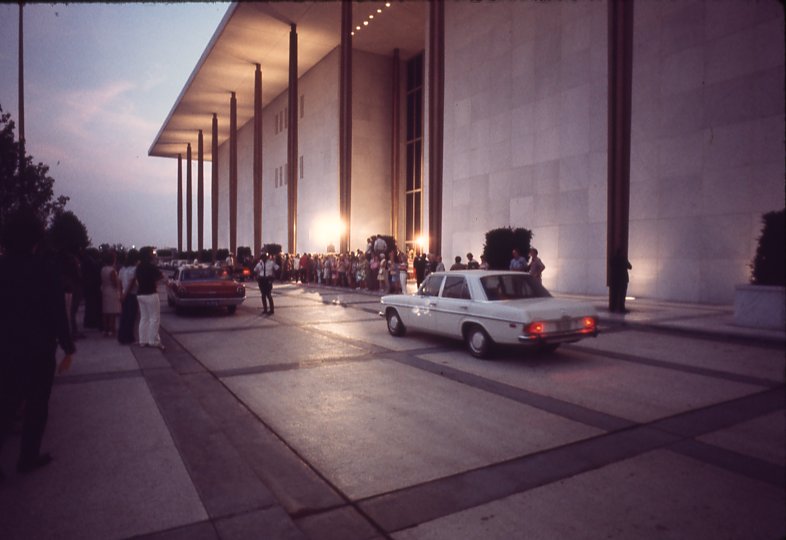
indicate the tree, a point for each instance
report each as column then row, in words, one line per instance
column 27, row 186
column 68, row 233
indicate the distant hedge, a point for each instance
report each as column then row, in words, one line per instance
column 500, row 244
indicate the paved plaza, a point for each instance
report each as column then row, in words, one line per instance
column 315, row 423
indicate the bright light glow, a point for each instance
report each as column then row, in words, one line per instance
column 365, row 23
column 630, row 298
column 352, row 33
column 422, row 243
column 387, row 4
column 357, row 28
column 379, row 11
column 370, row 16
column 327, row 229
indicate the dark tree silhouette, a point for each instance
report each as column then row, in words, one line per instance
column 28, row 186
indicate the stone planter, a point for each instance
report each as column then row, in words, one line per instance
column 760, row 306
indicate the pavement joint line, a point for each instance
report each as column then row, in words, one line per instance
column 565, row 409
column 347, row 500
column 291, row 366
column 684, row 368
column 173, row 398
column 406, row 507
column 768, row 342
column 742, row 464
column 420, row 503
column 94, row 377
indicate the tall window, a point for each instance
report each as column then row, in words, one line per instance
column 414, row 165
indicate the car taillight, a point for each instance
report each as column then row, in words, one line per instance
column 536, row 328
column 588, row 323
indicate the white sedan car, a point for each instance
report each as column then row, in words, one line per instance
column 488, row 307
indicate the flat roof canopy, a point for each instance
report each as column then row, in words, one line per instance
column 258, row 33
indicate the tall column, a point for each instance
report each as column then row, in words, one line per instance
column 233, row 174
column 436, row 97
column 345, row 127
column 200, row 192
column 179, row 203
column 292, row 151
column 395, row 143
column 620, row 47
column 214, row 185
column 189, row 196
column 258, row 160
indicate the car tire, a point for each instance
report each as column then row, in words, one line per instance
column 478, row 342
column 395, row 326
column 231, row 309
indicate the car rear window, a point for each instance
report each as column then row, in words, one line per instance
column 202, row 274
column 512, row 287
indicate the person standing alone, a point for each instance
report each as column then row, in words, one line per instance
column 265, row 270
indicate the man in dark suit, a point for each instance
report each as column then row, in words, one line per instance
column 33, row 321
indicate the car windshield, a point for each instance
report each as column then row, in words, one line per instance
column 512, row 287
column 203, row 274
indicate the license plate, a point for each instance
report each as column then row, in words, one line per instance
column 565, row 324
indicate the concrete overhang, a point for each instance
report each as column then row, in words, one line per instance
column 258, row 33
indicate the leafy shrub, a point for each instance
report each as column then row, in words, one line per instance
column 272, row 249
column 769, row 265
column 500, row 244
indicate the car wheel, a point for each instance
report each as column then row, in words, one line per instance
column 395, row 326
column 478, row 342
column 231, row 309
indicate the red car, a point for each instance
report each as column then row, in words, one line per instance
column 204, row 286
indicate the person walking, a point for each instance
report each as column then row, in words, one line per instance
column 265, row 270
column 129, row 306
column 147, row 277
column 33, row 322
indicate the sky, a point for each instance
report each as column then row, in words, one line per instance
column 99, row 81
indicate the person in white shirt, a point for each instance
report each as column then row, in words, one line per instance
column 265, row 271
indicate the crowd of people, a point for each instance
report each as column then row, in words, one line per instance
column 376, row 269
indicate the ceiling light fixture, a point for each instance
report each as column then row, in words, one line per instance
column 357, row 28
column 387, row 4
column 370, row 16
column 365, row 23
column 379, row 10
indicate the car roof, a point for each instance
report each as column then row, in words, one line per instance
column 478, row 273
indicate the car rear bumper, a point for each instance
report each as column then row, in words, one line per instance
column 556, row 337
column 208, row 302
